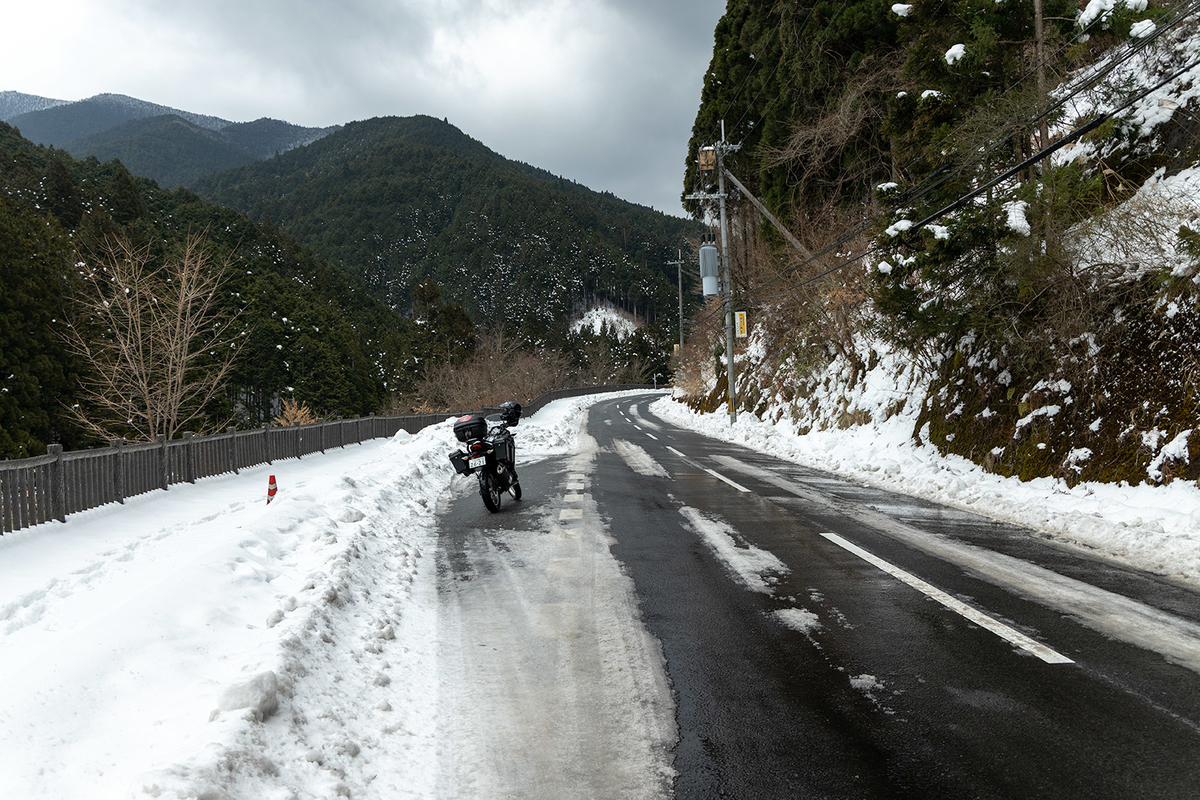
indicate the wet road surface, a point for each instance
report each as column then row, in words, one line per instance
column 827, row 640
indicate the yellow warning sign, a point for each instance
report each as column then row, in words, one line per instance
column 741, row 325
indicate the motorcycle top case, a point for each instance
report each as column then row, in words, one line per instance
column 472, row 426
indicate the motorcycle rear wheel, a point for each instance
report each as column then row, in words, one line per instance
column 515, row 490
column 489, row 489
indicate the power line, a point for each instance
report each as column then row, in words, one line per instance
column 1042, row 154
column 948, row 172
column 738, row 93
column 1086, row 83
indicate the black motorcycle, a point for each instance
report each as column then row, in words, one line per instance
column 490, row 453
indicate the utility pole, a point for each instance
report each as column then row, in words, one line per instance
column 721, row 149
column 731, row 393
column 678, row 262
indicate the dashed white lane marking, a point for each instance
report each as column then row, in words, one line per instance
column 972, row 614
column 715, row 474
column 642, row 420
column 721, row 477
column 652, row 436
column 569, row 514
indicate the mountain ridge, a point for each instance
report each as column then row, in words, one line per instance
column 59, row 124
column 396, row 200
column 14, row 103
column 165, row 144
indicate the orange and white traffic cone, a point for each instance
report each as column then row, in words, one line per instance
column 271, row 489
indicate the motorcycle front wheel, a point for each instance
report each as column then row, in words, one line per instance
column 489, row 488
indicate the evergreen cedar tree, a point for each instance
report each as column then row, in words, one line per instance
column 832, row 101
column 491, row 241
column 397, row 201
column 339, row 349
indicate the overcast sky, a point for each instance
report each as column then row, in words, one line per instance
column 600, row 91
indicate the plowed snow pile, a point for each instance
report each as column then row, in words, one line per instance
column 200, row 643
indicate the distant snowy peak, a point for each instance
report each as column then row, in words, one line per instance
column 597, row 318
column 140, row 109
column 13, row 104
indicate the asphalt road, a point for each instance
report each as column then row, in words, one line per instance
column 826, row 640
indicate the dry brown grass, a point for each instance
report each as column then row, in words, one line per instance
column 292, row 412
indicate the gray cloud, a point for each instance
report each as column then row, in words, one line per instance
column 600, row 91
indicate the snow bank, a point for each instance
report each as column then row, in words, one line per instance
column 199, row 643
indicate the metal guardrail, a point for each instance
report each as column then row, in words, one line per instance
column 43, row 488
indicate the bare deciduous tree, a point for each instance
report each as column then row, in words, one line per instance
column 497, row 371
column 156, row 343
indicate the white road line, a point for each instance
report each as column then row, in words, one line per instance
column 719, row 476
column 652, row 436
column 1114, row 615
column 974, row 615
column 716, row 475
column 569, row 514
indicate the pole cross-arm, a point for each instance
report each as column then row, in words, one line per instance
column 771, row 217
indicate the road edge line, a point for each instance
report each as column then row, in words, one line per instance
column 1027, row 643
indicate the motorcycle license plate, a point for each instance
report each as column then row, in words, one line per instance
column 477, row 462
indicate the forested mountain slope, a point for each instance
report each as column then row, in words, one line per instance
column 15, row 103
column 999, row 200
column 306, row 330
column 153, row 141
column 59, row 124
column 399, row 200
column 168, row 150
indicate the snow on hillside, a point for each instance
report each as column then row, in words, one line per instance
column 140, row 109
column 1166, row 72
column 597, row 317
column 14, row 104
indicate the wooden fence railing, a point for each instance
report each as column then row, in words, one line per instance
column 49, row 487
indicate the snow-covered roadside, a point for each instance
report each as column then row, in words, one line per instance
column 1155, row 528
column 199, row 643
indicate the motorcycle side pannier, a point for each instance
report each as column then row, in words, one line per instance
column 472, row 426
column 506, row 449
column 511, row 412
column 459, row 460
